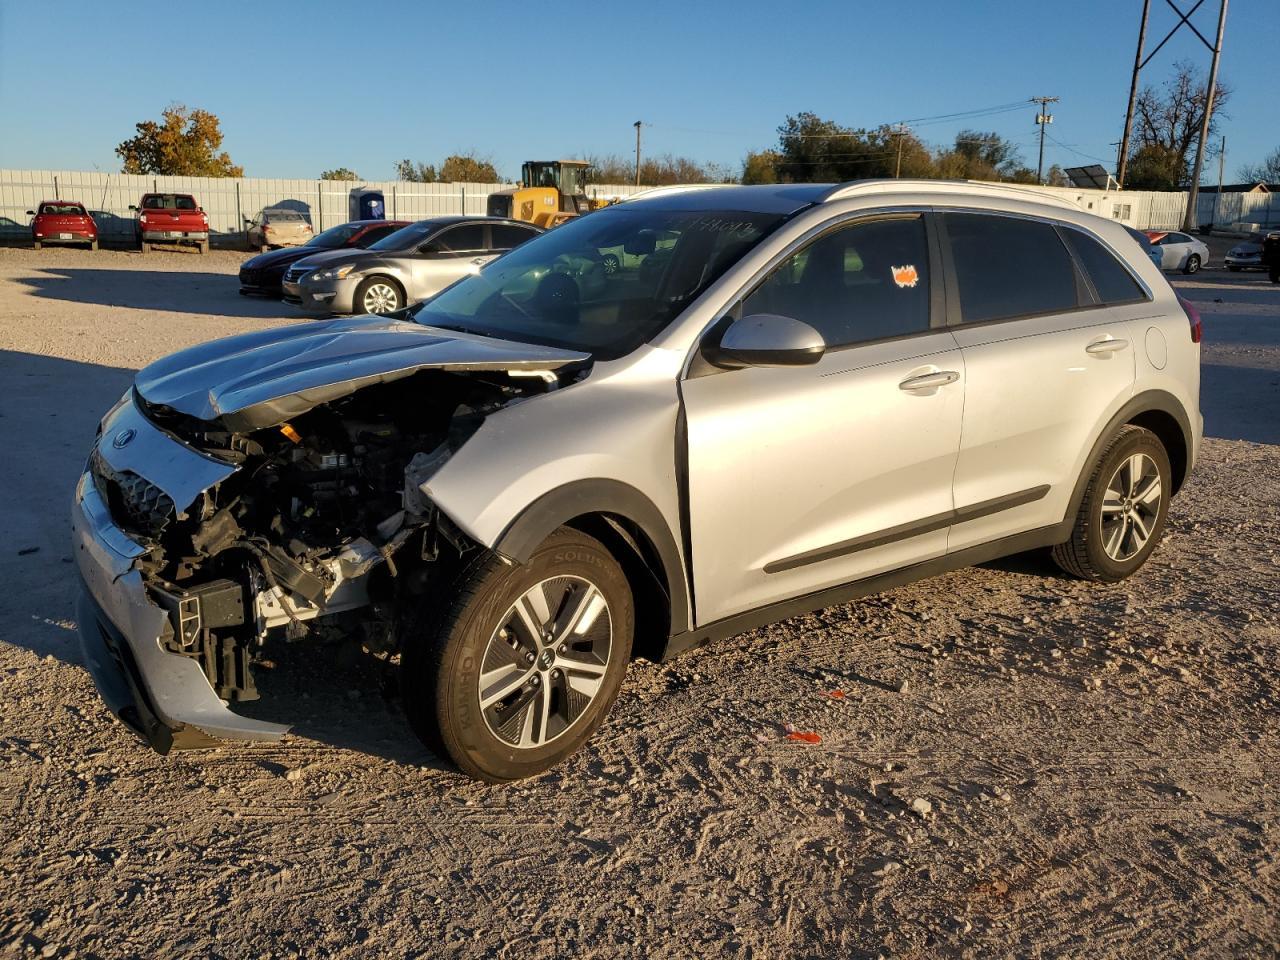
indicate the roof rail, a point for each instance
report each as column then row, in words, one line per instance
column 1008, row 190
column 674, row 188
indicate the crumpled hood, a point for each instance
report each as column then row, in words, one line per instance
column 256, row 380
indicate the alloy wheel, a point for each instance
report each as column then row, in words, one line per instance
column 1130, row 507
column 380, row 298
column 546, row 662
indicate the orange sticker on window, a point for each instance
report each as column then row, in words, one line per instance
column 905, row 276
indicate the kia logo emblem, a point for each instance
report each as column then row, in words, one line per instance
column 123, row 438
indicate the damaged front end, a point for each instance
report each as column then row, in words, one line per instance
column 197, row 537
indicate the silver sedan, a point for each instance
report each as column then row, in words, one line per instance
column 410, row 265
column 1179, row 251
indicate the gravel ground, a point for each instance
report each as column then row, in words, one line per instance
column 1011, row 762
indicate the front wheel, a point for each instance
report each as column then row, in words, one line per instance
column 378, row 295
column 1235, row 269
column 517, row 668
column 1192, row 264
column 1122, row 515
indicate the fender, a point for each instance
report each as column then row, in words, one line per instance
column 557, row 507
column 1141, row 403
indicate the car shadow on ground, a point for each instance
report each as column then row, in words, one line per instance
column 48, row 417
column 169, row 291
column 1240, row 403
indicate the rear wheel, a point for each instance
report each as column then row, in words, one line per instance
column 1122, row 515
column 1192, row 264
column 517, row 669
column 378, row 295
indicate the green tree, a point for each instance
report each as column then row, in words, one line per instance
column 341, row 173
column 184, row 143
column 415, row 172
column 467, row 168
column 1156, row 167
column 813, row 150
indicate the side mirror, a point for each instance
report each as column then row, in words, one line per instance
column 768, row 340
column 31, row 213
column 133, row 207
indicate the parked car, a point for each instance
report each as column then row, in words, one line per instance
column 1246, row 255
column 263, row 275
column 62, row 221
column 1271, row 254
column 517, row 485
column 1154, row 254
column 1179, row 251
column 275, row 228
column 170, row 218
column 411, row 264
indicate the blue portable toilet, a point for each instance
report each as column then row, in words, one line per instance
column 371, row 205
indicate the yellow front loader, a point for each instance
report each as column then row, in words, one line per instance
column 550, row 192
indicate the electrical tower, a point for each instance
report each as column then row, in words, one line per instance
column 1043, row 119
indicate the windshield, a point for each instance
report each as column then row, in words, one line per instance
column 334, row 237
column 281, row 216
column 604, row 283
column 406, row 237
column 62, row 209
column 168, row 201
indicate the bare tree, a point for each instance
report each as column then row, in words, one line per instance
column 1268, row 171
column 1167, row 125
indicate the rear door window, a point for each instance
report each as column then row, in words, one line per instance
column 1007, row 267
column 467, row 238
column 1111, row 279
column 507, row 236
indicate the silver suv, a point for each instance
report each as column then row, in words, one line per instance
column 774, row 399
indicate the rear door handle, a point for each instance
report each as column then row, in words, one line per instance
column 1102, row 348
column 929, row 381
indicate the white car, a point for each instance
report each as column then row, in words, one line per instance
column 1179, row 251
column 818, row 392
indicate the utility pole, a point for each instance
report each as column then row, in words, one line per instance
column 1043, row 118
column 1193, row 195
column 1222, row 159
column 637, row 126
column 1123, row 163
column 899, row 133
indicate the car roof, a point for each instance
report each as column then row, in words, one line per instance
column 792, row 197
column 76, row 202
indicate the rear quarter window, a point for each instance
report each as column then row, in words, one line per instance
column 1007, row 267
column 1111, row 279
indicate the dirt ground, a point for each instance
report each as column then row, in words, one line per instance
column 1100, row 766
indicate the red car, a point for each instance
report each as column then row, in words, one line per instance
column 170, row 218
column 62, row 221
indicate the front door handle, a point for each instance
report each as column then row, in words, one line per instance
column 929, row 381
column 1103, row 348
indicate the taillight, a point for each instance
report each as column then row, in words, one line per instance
column 1193, row 317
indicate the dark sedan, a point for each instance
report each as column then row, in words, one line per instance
column 263, row 274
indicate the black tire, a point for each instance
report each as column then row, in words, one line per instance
column 444, row 650
column 1086, row 553
column 1235, row 269
column 1275, row 274
column 357, row 301
column 1192, row 264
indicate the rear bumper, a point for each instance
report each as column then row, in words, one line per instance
column 65, row 236
column 164, row 697
column 174, row 236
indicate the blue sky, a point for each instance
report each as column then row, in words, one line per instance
column 375, row 81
